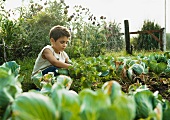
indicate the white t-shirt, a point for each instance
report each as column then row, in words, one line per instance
column 41, row 63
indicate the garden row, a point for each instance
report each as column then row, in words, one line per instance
column 99, row 94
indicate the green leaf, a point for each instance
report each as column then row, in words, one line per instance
column 144, row 101
column 167, row 54
column 46, row 89
column 13, row 66
column 67, row 102
column 166, row 110
column 5, row 97
column 152, row 65
column 65, row 80
column 160, row 67
column 113, row 89
column 123, row 108
column 5, row 72
column 130, row 73
column 6, row 78
column 34, row 106
column 105, row 73
column 92, row 103
column 37, row 78
column 137, row 69
column 63, row 71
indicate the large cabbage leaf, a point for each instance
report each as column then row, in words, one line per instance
column 92, row 102
column 37, row 78
column 66, row 101
column 138, row 69
column 10, row 87
column 65, row 80
column 161, row 67
column 112, row 88
column 123, row 108
column 13, row 66
column 144, row 101
column 34, row 106
column 166, row 110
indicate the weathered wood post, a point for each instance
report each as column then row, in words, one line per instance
column 127, row 37
column 161, row 39
column 164, row 39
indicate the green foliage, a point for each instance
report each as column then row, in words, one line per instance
column 38, row 22
column 145, row 41
column 10, row 86
column 67, row 102
column 37, row 106
column 144, row 103
column 92, row 36
column 14, row 39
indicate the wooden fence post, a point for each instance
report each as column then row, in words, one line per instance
column 164, row 39
column 127, row 37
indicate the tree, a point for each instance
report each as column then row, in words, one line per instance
column 146, row 41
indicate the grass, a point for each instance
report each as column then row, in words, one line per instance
column 26, row 67
column 134, row 53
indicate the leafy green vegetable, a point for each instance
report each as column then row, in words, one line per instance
column 144, row 101
column 63, row 71
column 65, row 80
column 10, row 87
column 113, row 89
column 92, row 102
column 137, row 69
column 67, row 102
column 166, row 110
column 37, row 78
column 13, row 66
column 123, row 108
column 167, row 54
column 34, row 106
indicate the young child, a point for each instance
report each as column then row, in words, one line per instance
column 53, row 56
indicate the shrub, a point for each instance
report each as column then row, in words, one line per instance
column 145, row 41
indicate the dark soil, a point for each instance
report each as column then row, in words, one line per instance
column 160, row 84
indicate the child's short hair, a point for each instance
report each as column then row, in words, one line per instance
column 59, row 31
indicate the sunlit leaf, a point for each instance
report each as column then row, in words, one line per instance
column 34, row 106
column 13, row 66
column 144, row 101
column 65, row 80
column 92, row 103
column 67, row 102
column 113, row 89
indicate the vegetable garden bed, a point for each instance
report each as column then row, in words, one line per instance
column 98, row 88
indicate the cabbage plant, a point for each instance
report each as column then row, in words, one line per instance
column 10, row 86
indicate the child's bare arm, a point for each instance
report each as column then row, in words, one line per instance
column 47, row 54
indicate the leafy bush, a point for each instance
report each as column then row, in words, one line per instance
column 92, row 36
column 38, row 22
column 145, row 41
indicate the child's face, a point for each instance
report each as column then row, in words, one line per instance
column 60, row 44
